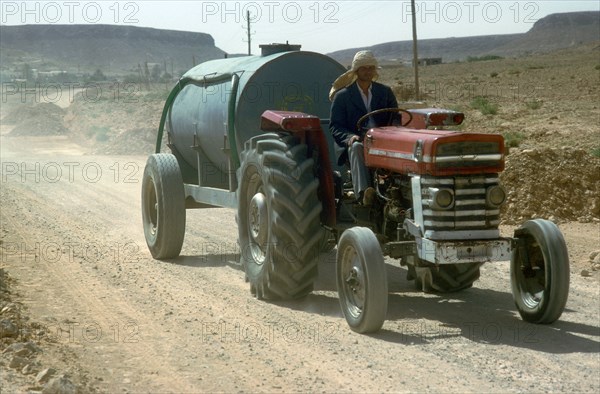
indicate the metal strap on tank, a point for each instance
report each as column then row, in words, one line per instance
column 233, row 157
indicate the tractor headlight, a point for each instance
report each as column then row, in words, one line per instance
column 441, row 198
column 495, row 196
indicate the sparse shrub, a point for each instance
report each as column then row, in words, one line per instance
column 596, row 152
column 536, row 67
column 132, row 78
column 514, row 72
column 597, row 67
column 512, row 139
column 156, row 95
column 494, row 74
column 404, row 92
column 484, row 106
column 535, row 104
column 97, row 76
column 26, row 72
column 155, row 73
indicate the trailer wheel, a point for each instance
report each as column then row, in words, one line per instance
column 361, row 280
column 539, row 271
column 278, row 217
column 163, row 206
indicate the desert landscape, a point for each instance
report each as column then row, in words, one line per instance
column 84, row 307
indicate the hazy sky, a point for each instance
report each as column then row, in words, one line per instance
column 321, row 26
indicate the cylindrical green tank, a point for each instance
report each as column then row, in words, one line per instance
column 217, row 94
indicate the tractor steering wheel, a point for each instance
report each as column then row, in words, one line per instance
column 378, row 111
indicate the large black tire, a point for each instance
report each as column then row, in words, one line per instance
column 327, row 242
column 445, row 278
column 539, row 272
column 278, row 217
column 163, row 206
column 361, row 280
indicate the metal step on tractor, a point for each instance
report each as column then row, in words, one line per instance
column 248, row 133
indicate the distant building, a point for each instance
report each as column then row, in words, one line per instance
column 50, row 73
column 430, row 61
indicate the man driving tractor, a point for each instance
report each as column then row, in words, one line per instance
column 354, row 94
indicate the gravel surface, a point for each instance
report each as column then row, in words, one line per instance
column 111, row 319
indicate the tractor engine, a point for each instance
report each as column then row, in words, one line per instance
column 394, row 189
column 439, row 186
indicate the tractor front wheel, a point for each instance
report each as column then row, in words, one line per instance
column 361, row 280
column 539, row 271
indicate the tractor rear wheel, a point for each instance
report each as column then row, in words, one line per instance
column 539, row 272
column 446, row 278
column 278, row 217
column 361, row 280
column 163, row 206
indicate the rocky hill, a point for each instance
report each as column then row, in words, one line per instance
column 555, row 31
column 119, row 50
column 112, row 49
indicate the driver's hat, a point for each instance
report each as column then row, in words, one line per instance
column 361, row 59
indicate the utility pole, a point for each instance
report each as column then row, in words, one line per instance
column 415, row 52
column 248, row 30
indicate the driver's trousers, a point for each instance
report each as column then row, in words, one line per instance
column 358, row 169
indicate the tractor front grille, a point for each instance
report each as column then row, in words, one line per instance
column 469, row 211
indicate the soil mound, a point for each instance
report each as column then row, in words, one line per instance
column 556, row 184
column 138, row 141
column 36, row 119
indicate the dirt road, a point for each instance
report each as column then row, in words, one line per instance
column 116, row 320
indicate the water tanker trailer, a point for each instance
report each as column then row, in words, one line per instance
column 247, row 133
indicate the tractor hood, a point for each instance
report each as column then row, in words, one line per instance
column 433, row 152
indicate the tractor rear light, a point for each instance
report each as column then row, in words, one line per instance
column 445, row 118
column 495, row 196
column 424, row 118
column 288, row 121
column 441, row 198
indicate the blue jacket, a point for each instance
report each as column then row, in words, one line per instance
column 348, row 107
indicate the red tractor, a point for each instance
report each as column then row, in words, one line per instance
column 438, row 192
column 437, row 210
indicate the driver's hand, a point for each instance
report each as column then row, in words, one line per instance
column 353, row 139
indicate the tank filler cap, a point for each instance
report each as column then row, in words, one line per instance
column 271, row 49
